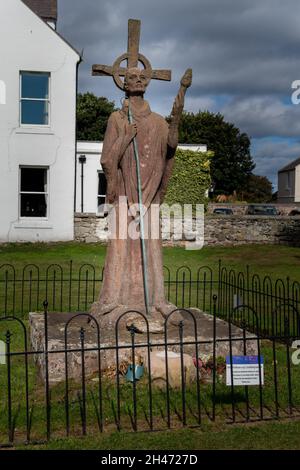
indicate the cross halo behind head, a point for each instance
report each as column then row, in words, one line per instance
column 133, row 57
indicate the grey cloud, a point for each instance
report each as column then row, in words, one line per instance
column 272, row 156
column 244, row 55
column 233, row 46
column 261, row 116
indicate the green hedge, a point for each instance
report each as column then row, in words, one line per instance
column 190, row 179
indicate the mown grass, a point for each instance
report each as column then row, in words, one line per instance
column 262, row 436
column 70, row 289
column 288, row 403
column 274, row 260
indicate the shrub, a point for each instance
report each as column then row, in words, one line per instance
column 190, row 179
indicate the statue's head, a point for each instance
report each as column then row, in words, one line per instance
column 136, row 81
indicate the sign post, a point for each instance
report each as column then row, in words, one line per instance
column 2, row 353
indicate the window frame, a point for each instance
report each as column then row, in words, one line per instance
column 43, row 126
column 100, row 214
column 43, row 167
column 288, row 185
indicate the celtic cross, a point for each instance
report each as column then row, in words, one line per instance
column 133, row 57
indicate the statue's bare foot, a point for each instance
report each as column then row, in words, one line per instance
column 98, row 309
column 169, row 310
column 108, row 316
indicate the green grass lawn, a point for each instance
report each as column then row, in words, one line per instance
column 223, row 406
column 269, row 436
column 273, row 261
column 276, row 261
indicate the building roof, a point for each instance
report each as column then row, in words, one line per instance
column 46, row 9
column 290, row 166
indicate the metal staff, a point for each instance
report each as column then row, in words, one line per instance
column 140, row 199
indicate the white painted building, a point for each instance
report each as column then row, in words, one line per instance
column 289, row 182
column 90, row 180
column 38, row 78
column 40, row 183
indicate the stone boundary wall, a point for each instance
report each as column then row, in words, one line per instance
column 251, row 229
column 241, row 209
column 218, row 230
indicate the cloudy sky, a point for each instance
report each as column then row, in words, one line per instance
column 245, row 54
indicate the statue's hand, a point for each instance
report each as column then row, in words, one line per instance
column 186, row 80
column 111, row 191
column 111, row 196
column 131, row 132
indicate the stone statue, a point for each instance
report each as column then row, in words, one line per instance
column 137, row 159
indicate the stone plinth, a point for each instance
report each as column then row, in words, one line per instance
column 56, row 342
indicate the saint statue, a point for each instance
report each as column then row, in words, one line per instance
column 137, row 158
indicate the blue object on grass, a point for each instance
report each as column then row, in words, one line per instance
column 139, row 371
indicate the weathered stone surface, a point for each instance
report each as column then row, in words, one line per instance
column 90, row 228
column 158, row 369
column 56, row 342
column 137, row 159
column 219, row 230
column 238, row 230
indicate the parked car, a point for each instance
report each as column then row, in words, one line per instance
column 223, row 211
column 262, row 210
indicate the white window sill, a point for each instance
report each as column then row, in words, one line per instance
column 35, row 130
column 33, row 224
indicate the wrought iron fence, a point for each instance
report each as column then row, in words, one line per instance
column 69, row 288
column 36, row 408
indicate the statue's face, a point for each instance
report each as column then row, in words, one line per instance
column 136, row 81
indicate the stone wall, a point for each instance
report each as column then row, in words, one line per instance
column 241, row 209
column 90, row 228
column 219, row 230
column 251, row 229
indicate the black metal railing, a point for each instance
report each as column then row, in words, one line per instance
column 74, row 288
column 100, row 387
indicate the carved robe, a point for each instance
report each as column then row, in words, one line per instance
column 123, row 276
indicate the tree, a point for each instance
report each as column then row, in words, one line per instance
column 232, row 163
column 92, row 116
column 258, row 189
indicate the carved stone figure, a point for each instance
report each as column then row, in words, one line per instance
column 137, row 159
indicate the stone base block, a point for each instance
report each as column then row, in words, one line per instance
column 175, row 369
column 65, row 339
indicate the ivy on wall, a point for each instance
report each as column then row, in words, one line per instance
column 190, row 179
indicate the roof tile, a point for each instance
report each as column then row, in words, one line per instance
column 46, row 9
